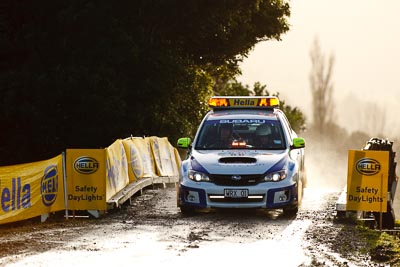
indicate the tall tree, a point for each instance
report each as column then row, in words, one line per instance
column 321, row 88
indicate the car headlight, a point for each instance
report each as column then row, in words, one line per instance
column 198, row 176
column 275, row 176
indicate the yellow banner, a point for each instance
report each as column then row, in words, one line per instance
column 86, row 179
column 140, row 161
column 117, row 169
column 367, row 180
column 164, row 157
column 30, row 190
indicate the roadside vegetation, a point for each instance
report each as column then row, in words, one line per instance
column 82, row 74
column 382, row 246
column 364, row 240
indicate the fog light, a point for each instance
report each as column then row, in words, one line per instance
column 192, row 196
column 281, row 196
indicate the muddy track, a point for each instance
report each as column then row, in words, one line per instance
column 153, row 230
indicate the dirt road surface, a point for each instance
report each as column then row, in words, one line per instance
column 152, row 231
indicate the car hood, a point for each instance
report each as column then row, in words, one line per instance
column 238, row 161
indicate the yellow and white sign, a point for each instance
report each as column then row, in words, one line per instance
column 367, row 180
column 30, row 190
column 86, row 179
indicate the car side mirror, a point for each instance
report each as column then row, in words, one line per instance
column 298, row 142
column 184, row 142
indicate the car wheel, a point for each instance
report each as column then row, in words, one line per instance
column 291, row 211
column 187, row 211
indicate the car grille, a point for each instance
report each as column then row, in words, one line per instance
column 227, row 180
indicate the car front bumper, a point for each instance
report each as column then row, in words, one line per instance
column 264, row 195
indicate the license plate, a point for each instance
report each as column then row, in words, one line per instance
column 236, row 193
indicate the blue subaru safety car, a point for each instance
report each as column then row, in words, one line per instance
column 244, row 155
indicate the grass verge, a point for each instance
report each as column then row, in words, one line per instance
column 383, row 246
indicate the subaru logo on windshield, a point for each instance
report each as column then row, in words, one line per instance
column 236, row 177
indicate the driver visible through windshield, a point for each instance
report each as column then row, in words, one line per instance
column 233, row 134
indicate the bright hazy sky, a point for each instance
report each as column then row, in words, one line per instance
column 364, row 38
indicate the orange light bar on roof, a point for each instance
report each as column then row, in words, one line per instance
column 218, row 102
column 244, row 102
column 269, row 102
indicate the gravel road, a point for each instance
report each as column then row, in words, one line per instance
column 151, row 230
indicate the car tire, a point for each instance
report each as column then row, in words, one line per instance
column 187, row 211
column 291, row 211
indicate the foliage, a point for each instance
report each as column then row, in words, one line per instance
column 84, row 73
column 383, row 247
column 232, row 88
column 295, row 116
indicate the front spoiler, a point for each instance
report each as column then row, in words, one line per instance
column 272, row 198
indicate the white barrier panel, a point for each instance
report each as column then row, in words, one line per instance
column 164, row 157
column 178, row 159
column 140, row 160
column 117, row 169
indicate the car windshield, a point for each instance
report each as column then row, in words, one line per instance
column 241, row 133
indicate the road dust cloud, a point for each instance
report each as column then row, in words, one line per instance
column 356, row 122
column 326, row 168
